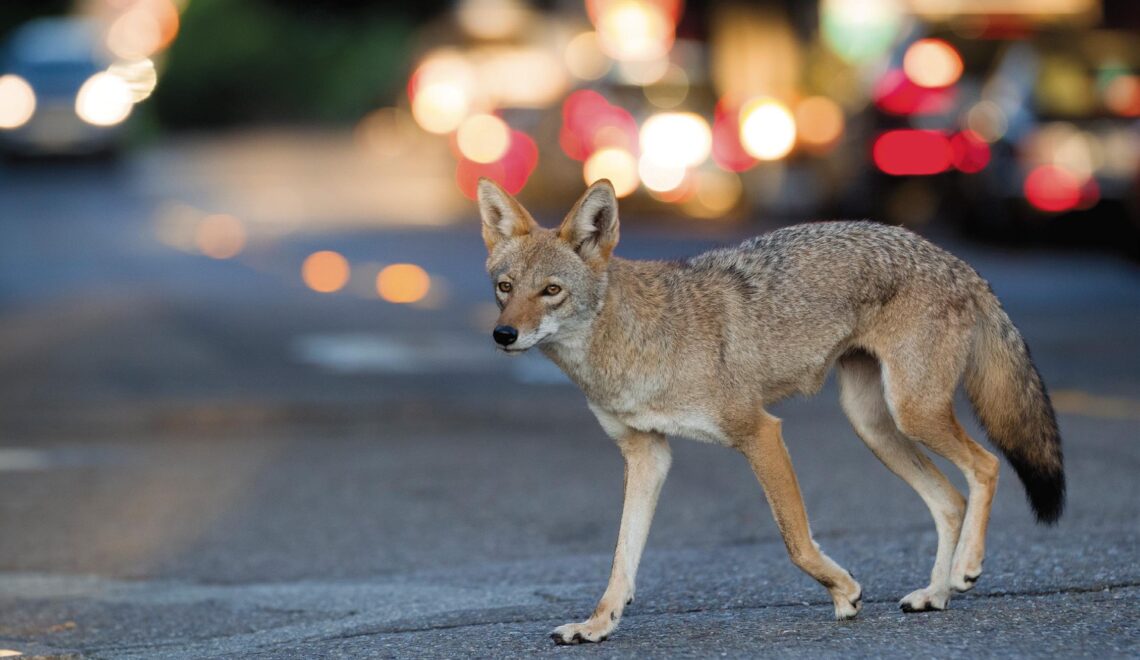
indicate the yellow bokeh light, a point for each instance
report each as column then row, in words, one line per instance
column 617, row 165
column 17, row 101
column 140, row 76
column 220, row 236
column 584, row 57
column 660, row 177
column 403, row 283
column 670, row 90
column 492, row 19
column 104, row 100
column 325, row 271
column 440, row 108
column 643, row 72
column 676, row 139
column 932, row 63
column 767, row 129
column 483, row 138
column 718, row 192
column 987, row 119
column 634, row 30
column 819, row 121
column 444, row 87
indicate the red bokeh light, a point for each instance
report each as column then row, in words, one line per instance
column 1053, row 189
column 727, row 152
column 590, row 123
column 511, row 171
column 912, row 152
column 969, row 152
column 897, row 95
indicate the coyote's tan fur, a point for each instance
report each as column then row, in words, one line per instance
column 698, row 348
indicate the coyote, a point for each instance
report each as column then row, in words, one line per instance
column 697, row 348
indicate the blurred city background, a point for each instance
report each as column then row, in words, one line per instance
column 248, row 397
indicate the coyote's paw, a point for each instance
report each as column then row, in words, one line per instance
column 848, row 602
column 593, row 630
column 964, row 580
column 925, row 600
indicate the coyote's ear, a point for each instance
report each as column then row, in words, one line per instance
column 503, row 217
column 591, row 227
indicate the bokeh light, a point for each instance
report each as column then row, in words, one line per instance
column 403, row 283
column 643, row 72
column 584, row 57
column 907, row 152
column 727, row 152
column 220, row 236
column 717, row 192
column 17, row 101
column 676, row 139
column 987, row 120
column 483, row 138
column 615, row 164
column 767, row 129
column 442, row 91
column 969, row 152
column 590, row 122
column 860, row 30
column 1052, row 189
column 325, row 271
column 897, row 94
column 104, row 100
column 140, row 76
column 633, row 30
column 145, row 28
column 511, row 171
column 492, row 19
column 439, row 108
column 658, row 176
column 819, row 122
column 932, row 63
column 670, row 90
column 1122, row 95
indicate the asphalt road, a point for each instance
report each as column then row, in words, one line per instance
column 203, row 458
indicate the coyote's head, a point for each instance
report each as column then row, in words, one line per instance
column 549, row 284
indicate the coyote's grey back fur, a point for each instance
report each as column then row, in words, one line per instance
column 828, row 283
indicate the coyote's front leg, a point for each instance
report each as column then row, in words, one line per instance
column 773, row 467
column 647, row 459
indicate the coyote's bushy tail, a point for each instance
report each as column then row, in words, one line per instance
column 1010, row 399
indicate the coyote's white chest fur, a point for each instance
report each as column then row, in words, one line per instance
column 683, row 423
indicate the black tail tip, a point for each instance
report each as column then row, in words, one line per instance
column 1045, row 488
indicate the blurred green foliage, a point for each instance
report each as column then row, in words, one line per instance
column 244, row 61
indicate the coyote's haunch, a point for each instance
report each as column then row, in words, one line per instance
column 699, row 347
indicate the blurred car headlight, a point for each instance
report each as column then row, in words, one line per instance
column 104, row 100
column 17, row 101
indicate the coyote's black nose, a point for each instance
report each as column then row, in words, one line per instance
column 505, row 335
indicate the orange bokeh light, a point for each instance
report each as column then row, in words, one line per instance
column 403, row 283
column 325, row 271
column 220, row 236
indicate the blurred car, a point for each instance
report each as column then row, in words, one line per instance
column 1039, row 130
column 56, row 95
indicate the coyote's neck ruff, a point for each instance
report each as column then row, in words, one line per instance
column 697, row 348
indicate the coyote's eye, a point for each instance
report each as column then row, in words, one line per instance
column 505, row 287
column 552, row 290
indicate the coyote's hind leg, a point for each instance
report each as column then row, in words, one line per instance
column 861, row 393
